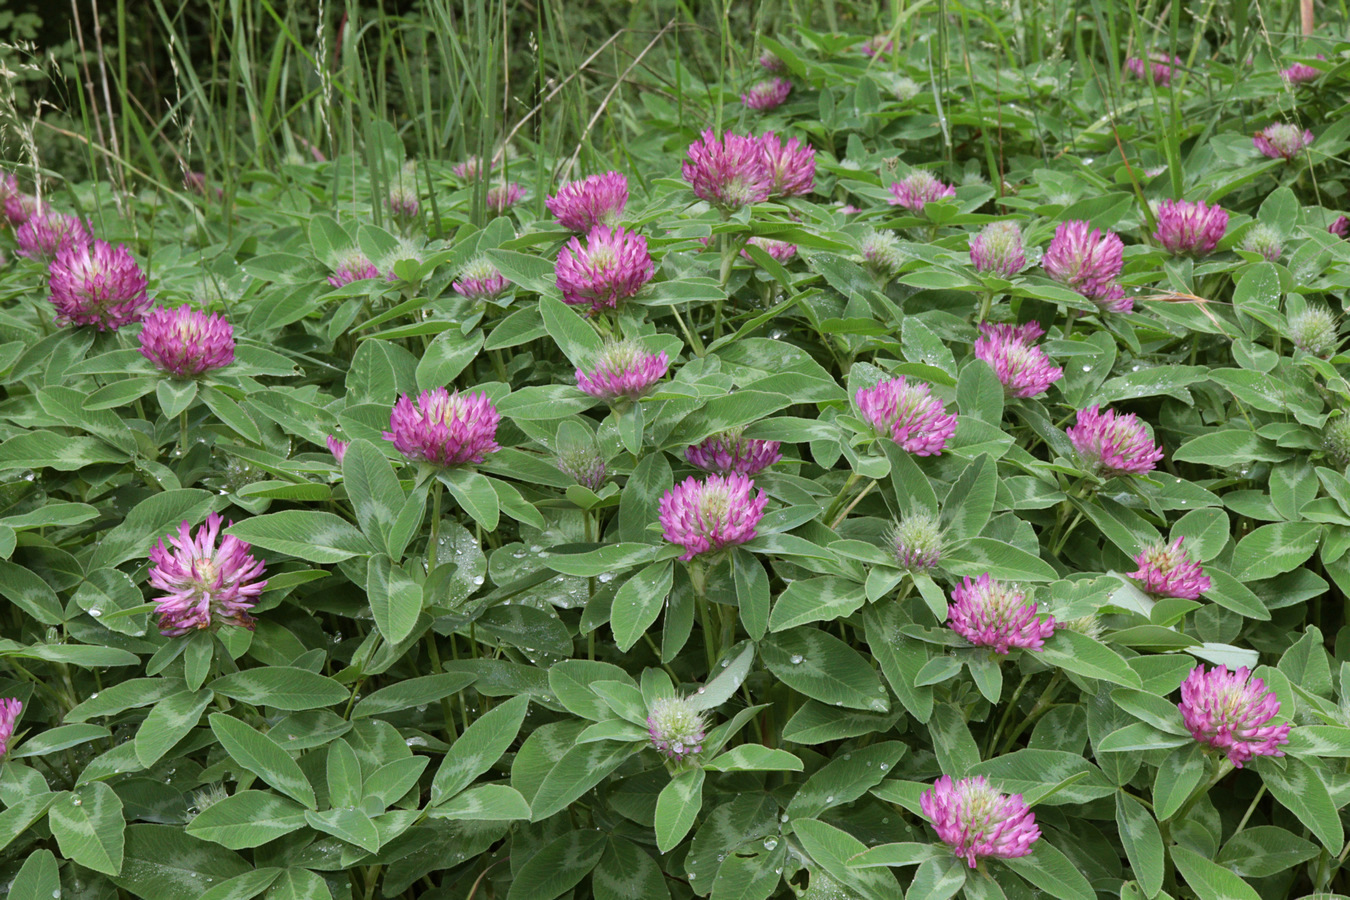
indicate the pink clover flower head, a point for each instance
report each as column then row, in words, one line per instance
column 623, row 371
column 9, row 717
column 337, row 448
column 504, row 196
column 989, row 613
column 352, row 265
column 731, row 452
column 781, row 251
column 768, row 94
column 916, row 542
column 472, row 169
column 45, row 234
column 1340, row 227
column 1165, row 570
column 711, row 515
column 677, row 729
column 613, row 265
column 1111, row 443
column 9, row 186
column 195, row 183
column 907, row 414
column 597, row 200
column 204, row 584
column 977, row 821
column 1158, row 67
column 998, row 248
column 770, row 62
column 97, row 284
column 879, row 45
column 791, row 165
column 919, row 188
column 1190, row 228
column 1300, row 73
column 19, row 208
column 480, row 280
column 444, row 429
column 185, row 342
column 1264, row 240
column 1282, row 140
column 1022, row 368
column 1230, row 711
column 1084, row 259
column 729, row 171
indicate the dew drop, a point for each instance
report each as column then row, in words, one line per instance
column 770, row 843
column 1087, row 368
column 77, row 802
column 95, row 612
column 796, row 659
column 830, row 798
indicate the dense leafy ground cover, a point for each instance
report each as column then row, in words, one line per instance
column 934, row 415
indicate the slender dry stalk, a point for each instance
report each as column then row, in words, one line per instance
column 107, row 102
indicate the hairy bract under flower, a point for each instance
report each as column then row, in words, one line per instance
column 480, row 280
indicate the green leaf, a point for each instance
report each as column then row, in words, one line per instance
column 580, row 769
column 677, row 807
column 824, row 668
column 299, row 884
column 558, row 867
column 1230, row 593
column 39, row 878
column 263, row 756
column 730, row 676
column 1275, row 549
column 412, row 692
column 243, row 887
column 1143, row 842
column 484, row 802
column 1082, row 655
column 1301, row 790
column 816, row 600
column 577, row 340
column 1051, row 871
column 350, row 825
column 345, row 788
column 953, row 743
column 969, row 503
column 480, row 746
column 1265, row 850
column 1209, row 880
column 107, row 592
column 979, row 393
column 627, row 873
column 474, row 494
column 913, row 491
column 446, row 357
column 374, row 490
column 898, row 854
column 163, row 860
column 1052, row 777
column 832, row 848
column 168, row 723
column 17, row 818
column 755, row 758
column 232, row 414
column 752, row 592
column 1178, row 775
column 639, row 601
column 845, row 779
column 154, row 518
column 30, row 593
column 247, row 819
column 281, row 687
column 88, row 826
column 395, row 598
column 310, row 535
column 49, row 450
column 900, row 661
column 60, row 738
column 175, row 396
column 938, row 879
column 1001, row 560
column 391, row 782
